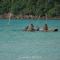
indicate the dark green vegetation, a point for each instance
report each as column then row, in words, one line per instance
column 30, row 7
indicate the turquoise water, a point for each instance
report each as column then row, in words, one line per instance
column 19, row 45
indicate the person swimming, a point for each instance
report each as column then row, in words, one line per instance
column 45, row 28
column 29, row 28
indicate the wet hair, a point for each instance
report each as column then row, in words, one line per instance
column 32, row 25
column 45, row 24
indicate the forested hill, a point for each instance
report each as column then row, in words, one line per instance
column 30, row 7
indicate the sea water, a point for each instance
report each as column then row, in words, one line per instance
column 16, row 44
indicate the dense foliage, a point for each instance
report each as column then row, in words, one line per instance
column 30, row 7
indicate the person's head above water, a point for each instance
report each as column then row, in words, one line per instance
column 55, row 30
column 32, row 25
column 46, row 25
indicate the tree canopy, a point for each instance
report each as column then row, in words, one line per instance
column 32, row 7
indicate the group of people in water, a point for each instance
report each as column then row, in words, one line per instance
column 31, row 28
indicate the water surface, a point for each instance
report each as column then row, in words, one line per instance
column 19, row 45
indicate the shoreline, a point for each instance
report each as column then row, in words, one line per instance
column 12, row 16
column 29, row 19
